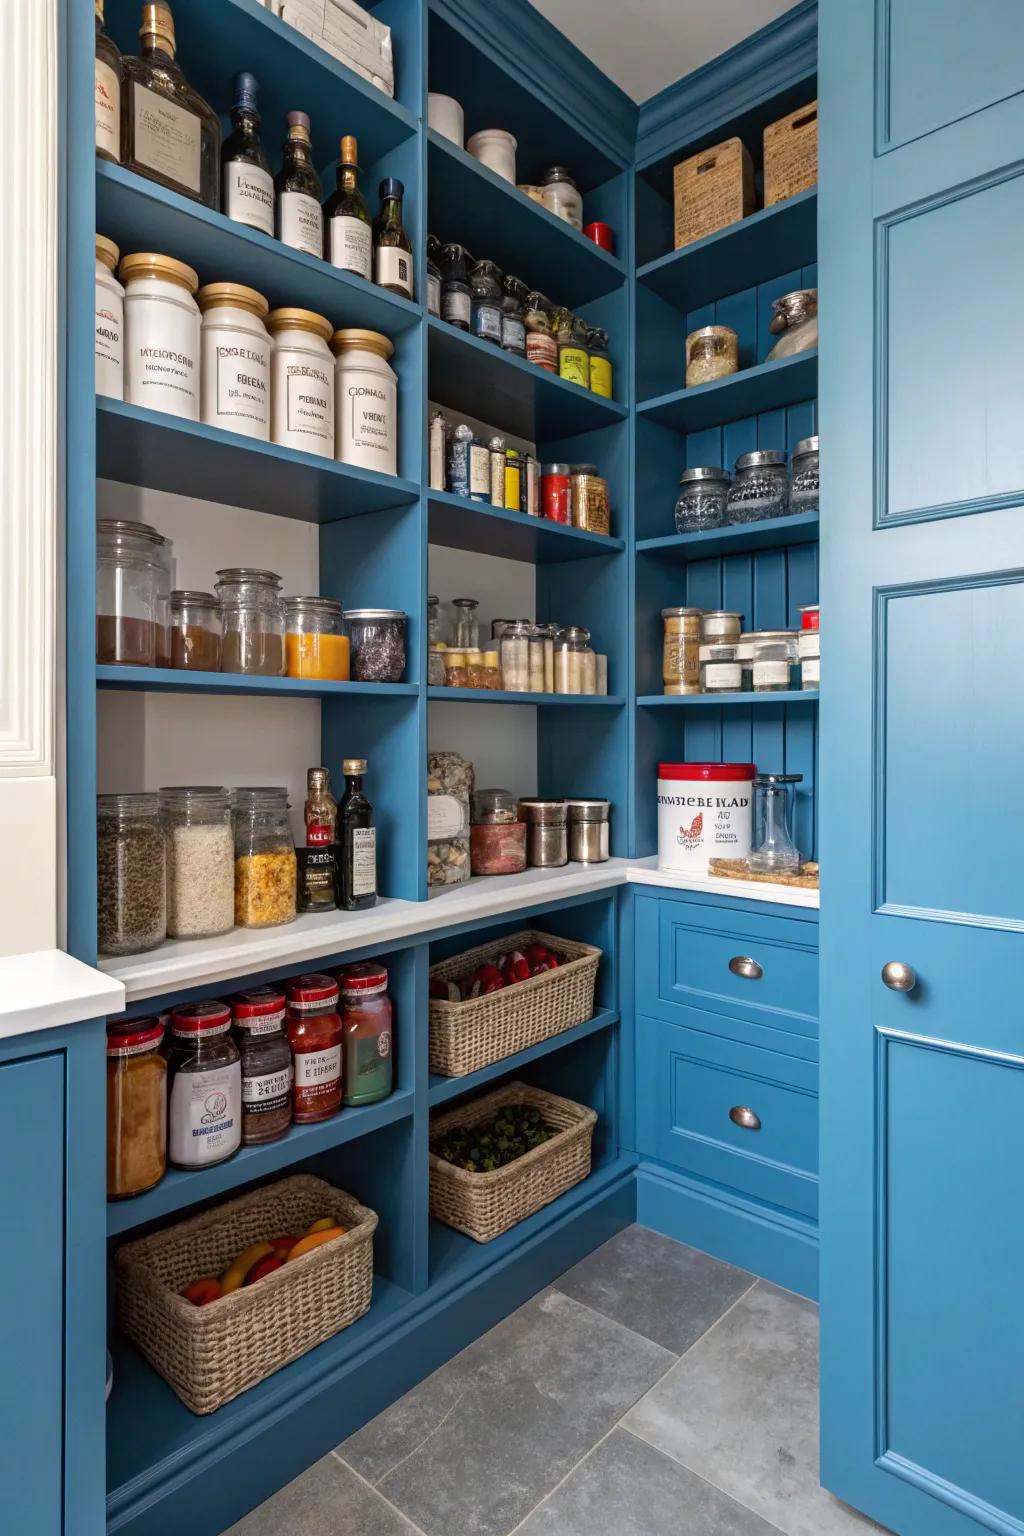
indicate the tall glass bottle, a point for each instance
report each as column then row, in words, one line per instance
column 392, row 253
column 317, row 865
column 168, row 132
column 247, row 187
column 349, row 227
column 357, row 841
column 108, row 92
column 300, row 219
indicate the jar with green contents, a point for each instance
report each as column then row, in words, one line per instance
column 366, row 1032
column 573, row 357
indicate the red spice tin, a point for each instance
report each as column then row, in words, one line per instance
column 602, row 234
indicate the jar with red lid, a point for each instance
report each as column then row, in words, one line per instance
column 266, row 1065
column 136, row 1106
column 366, row 1017
column 808, row 643
column 204, row 1079
column 602, row 234
column 314, row 1032
column 556, row 492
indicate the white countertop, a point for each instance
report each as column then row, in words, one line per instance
column 646, row 872
column 48, row 988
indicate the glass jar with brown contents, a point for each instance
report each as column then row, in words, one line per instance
column 136, row 1107
column 265, row 863
column 252, row 622
column 195, row 632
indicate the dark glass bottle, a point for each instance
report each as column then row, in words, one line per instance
column 392, row 253
column 357, row 842
column 247, row 187
column 317, row 859
column 455, row 299
column 433, row 275
column 348, row 227
column 168, row 132
column 300, row 219
column 108, row 92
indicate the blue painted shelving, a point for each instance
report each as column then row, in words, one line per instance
column 723, row 700
column 766, row 387
column 544, row 700
column 736, row 539
column 461, row 524
column 167, row 680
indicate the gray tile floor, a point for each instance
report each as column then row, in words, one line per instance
column 651, row 1391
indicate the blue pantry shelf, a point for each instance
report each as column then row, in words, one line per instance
column 499, row 696
column 717, row 700
column 766, row 387
column 442, row 1089
column 458, row 523
column 736, row 539
column 167, row 680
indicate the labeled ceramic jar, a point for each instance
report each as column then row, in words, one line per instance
column 547, row 837
column 760, row 488
column 109, row 321
column 200, row 861
column 129, row 590
column 301, row 381
column 316, row 644
column 680, row 657
column 235, row 359
column 775, row 651
column 204, row 1071
column 365, row 401
column 315, row 1034
column 266, row 1065
column 367, row 1032
column 161, row 321
column 712, row 352
column 701, row 500
column 497, row 838
column 252, row 621
column 195, row 631
column 496, row 149
column 377, row 638
column 562, row 196
column 265, row 863
column 704, row 812
column 131, row 882
column 136, row 1107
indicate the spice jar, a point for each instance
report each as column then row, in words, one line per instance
column 720, row 624
column 795, row 322
column 515, row 657
column 314, row 1031
column 265, row 863
column 547, row 839
column 760, row 489
column 701, row 500
column 235, row 373
column 456, row 669
column 573, row 357
column 129, row 583
column 562, row 196
column 680, row 660
column 195, row 631
column 266, row 1065
column 252, row 621
column 301, row 381
column 367, row 1032
column 131, row 883
column 712, row 352
column 436, row 665
column 775, row 651
column 200, row 861
column 513, row 329
column 466, row 633
column 204, row 1078
column 588, row 830
column 365, row 401
column 315, row 642
column 469, row 465
column 600, row 362
column 541, row 346
column 485, row 300
column 109, row 321
column 556, row 492
column 161, row 334
column 804, row 476
column 720, row 671
column 591, row 508
column 575, row 664
column 136, row 1106
column 497, row 837
column 378, row 644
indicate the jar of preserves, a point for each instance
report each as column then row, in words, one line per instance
column 720, row 672
column 575, row 663
column 131, row 882
column 701, row 500
column 315, row 642
column 200, row 861
column 485, row 300
column 541, row 346
column 129, row 582
column 562, row 196
column 712, row 352
column 456, row 670
column 680, row 660
column 195, row 631
column 377, row 637
column 204, row 1080
column 573, row 357
column 720, row 624
column 266, row 1065
column 497, row 837
column 467, row 623
column 366, row 1021
column 252, row 621
column 775, row 651
column 760, row 488
column 591, row 507
column 600, row 362
column 235, row 359
column 804, row 476
column 515, row 657
column 301, row 381
column 265, row 863
column 136, row 1106
column 556, row 492
column 315, row 1031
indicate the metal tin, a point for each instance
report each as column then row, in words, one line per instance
column 589, row 833
column 547, row 840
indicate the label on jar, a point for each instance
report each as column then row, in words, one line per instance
column 601, row 376
column 317, row 1069
column 351, row 245
column 204, row 1123
column 479, row 472
column 455, row 306
column 317, row 874
column 771, row 674
column 243, row 386
column 268, row 1090
column 542, row 349
column 513, row 334
column 268, row 1025
column 369, row 1064
column 723, row 674
column 433, row 294
column 497, row 479
column 108, row 110
column 680, row 659
column 574, row 365
column 487, row 321
column 109, row 343
column 167, row 138
column 364, row 861
column 810, row 672
column 446, row 817
column 701, row 821
column 366, row 420
column 249, row 195
column 310, row 402
column 394, row 269
column 162, row 355
column 809, row 644
column 300, row 221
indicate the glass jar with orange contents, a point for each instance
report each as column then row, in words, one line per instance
column 366, row 1017
column 136, row 1106
column 314, row 1032
column 316, row 644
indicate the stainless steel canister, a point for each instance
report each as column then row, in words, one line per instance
column 547, row 841
column 588, row 830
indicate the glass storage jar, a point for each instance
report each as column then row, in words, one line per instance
column 712, row 352
column 315, row 1031
column 266, row 1065
column 680, row 657
column 434, row 634
column 456, row 668
column 492, row 670
column 795, row 322
column 377, row 638
column 760, row 489
column 476, row 672
column 720, row 672
column 315, row 642
column 265, row 863
column 367, row 1032
column 562, row 196
column 204, row 1085
column 701, row 500
column 575, row 664
column 591, row 506
column 809, row 646
column 200, row 861
column 549, row 634
column 804, row 477
column 547, row 834
column 129, row 584
column 775, row 651
column 745, row 657
column 720, row 624
column 541, row 346
column 195, row 631
column 513, row 329
column 136, row 1106
column 536, row 660
column 252, row 621
column 485, row 300
column 168, row 574
column 131, row 882
column 466, row 633
column 436, row 665
column 449, row 785
column 515, row 656
column 497, row 837
column 772, row 849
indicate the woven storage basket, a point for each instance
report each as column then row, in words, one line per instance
column 711, row 190
column 210, row 1354
column 791, row 154
column 484, row 1205
column 467, row 1036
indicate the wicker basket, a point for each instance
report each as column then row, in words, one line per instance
column 467, row 1036
column 791, row 154
column 483, row 1205
column 711, row 190
column 210, row 1354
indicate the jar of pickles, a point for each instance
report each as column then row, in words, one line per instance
column 315, row 642
column 680, row 661
column 265, row 863
column 712, row 352
column 367, row 1032
column 252, row 621
column 760, row 489
column 775, row 651
column 136, row 1106
column 701, row 500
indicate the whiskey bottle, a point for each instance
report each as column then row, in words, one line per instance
column 392, row 263
column 317, row 866
column 300, row 219
column 357, row 840
column 247, row 187
column 349, row 229
column 108, row 92
column 168, row 132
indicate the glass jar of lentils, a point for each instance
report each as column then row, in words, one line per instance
column 130, row 874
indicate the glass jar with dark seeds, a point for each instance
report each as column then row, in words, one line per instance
column 131, row 875
column 701, row 500
column 378, row 644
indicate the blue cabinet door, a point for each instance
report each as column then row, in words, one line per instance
column 922, row 740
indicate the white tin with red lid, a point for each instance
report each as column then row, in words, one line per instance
column 704, row 812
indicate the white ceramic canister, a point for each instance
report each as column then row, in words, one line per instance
column 496, row 149
column 445, row 116
column 365, row 401
column 235, row 359
column 161, row 334
column 109, row 321
column 704, row 812
column 301, row 381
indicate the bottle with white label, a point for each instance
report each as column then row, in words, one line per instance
column 392, row 253
column 314, row 1031
column 109, row 321
column 161, row 334
column 108, row 92
column 301, row 381
column 247, row 187
column 204, row 1078
column 235, row 374
column 347, row 218
column 365, row 401
column 300, row 219
column 357, row 841
column 168, row 132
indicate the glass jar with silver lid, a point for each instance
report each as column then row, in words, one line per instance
column 804, row 477
column 702, row 498
column 588, row 830
column 775, row 652
column 721, row 624
column 760, row 489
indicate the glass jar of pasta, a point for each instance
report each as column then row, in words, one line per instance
column 265, row 863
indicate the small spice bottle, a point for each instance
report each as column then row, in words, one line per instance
column 366, row 1019
column 301, row 381
column 314, row 1030
column 195, row 631
column 200, row 861
column 485, row 298
column 204, row 1071
column 265, row 864
column 515, row 657
column 136, row 1106
column 556, row 492
column 438, row 452
column 235, row 359
column 266, row 1065
column 497, row 452
column 541, row 346
column 513, row 328
column 600, row 362
column 497, row 837
column 680, row 662
column 109, row 321
column 712, row 352
column 469, row 465
column 573, row 357
column 530, row 499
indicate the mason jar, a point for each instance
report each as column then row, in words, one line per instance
column 195, row 632
column 131, row 885
column 130, row 581
column 200, row 861
column 515, row 656
column 575, row 662
column 316, row 643
column 265, row 862
column 720, row 671
column 252, row 621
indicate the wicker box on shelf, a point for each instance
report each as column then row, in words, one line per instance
column 791, row 154
column 483, row 1205
column 711, row 190
column 467, row 1036
column 210, row 1354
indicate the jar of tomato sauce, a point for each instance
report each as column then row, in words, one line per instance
column 314, row 1032
column 366, row 1018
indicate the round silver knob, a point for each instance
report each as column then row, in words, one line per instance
column 898, row 976
column 745, row 1117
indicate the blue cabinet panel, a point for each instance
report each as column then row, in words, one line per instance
column 947, row 65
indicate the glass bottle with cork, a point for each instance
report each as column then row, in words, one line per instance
column 357, row 842
column 300, row 219
column 317, row 860
column 349, row 238
column 247, row 187
column 184, row 153
column 392, row 252
column 108, row 92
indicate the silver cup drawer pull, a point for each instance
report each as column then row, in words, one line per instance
column 745, row 966
column 745, row 1118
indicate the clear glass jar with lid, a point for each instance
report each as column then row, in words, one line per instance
column 720, row 672
column 252, row 621
column 515, row 656
column 772, row 849
column 315, row 639
column 804, row 476
column 467, row 623
column 130, row 578
column 377, row 636
column 562, row 196
column 195, row 632
column 549, row 634
column 536, row 659
column 200, row 861
column 491, row 670
column 760, row 489
column 434, row 634
column 235, row 359
column 795, row 322
column 131, row 884
column 775, row 651
column 712, row 352
column 476, row 672
column 701, row 500
column 456, row 669
column 136, row 1106
column 436, row 665
column 575, row 664
column 720, row 624
column 265, row 863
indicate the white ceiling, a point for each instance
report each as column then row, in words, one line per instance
column 644, row 45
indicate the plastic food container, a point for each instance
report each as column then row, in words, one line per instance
column 445, row 116
column 496, row 149
column 377, row 636
column 704, row 812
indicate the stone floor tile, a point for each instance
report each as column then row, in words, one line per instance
column 327, row 1500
